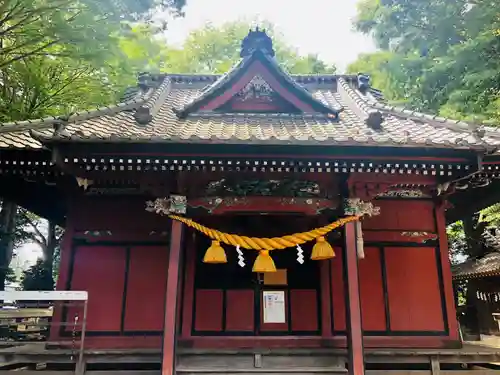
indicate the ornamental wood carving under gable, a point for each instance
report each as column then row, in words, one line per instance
column 368, row 186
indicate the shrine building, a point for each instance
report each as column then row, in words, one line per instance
column 255, row 211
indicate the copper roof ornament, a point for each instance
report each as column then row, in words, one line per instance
column 257, row 40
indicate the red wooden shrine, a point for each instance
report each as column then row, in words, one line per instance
column 262, row 153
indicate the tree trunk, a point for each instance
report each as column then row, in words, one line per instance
column 7, row 228
column 48, row 251
column 473, row 230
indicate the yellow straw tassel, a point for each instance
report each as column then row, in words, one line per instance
column 215, row 254
column 322, row 250
column 264, row 262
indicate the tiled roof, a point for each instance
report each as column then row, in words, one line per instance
column 149, row 117
column 18, row 134
column 489, row 265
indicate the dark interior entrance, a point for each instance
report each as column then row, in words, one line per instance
column 231, row 300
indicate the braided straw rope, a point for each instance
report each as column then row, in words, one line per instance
column 255, row 243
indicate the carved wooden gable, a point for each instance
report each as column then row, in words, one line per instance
column 258, row 96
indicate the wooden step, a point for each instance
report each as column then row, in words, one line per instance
column 260, row 371
column 268, row 361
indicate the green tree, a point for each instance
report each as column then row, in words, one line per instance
column 57, row 59
column 37, row 277
column 215, row 49
column 444, row 54
column 87, row 29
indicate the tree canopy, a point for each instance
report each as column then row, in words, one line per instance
column 61, row 56
column 438, row 56
column 215, row 49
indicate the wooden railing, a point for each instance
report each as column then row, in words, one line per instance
column 28, row 318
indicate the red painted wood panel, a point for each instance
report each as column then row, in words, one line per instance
column 337, row 290
column 413, row 289
column 372, row 291
column 146, row 286
column 98, row 213
column 304, row 310
column 394, row 215
column 208, row 310
column 240, row 310
column 100, row 270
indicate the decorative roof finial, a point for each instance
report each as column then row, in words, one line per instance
column 256, row 40
column 363, row 82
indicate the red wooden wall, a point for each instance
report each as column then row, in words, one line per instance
column 118, row 253
column 405, row 292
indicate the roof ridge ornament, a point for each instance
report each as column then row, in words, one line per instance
column 257, row 40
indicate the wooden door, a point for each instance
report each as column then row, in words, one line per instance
column 290, row 304
column 228, row 299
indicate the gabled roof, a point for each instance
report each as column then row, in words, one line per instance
column 488, row 265
column 329, row 110
column 485, row 266
column 256, row 64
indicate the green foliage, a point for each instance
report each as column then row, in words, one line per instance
column 457, row 242
column 61, row 56
column 216, row 49
column 37, row 277
column 491, row 215
column 442, row 56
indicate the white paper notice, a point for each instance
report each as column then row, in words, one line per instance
column 274, row 307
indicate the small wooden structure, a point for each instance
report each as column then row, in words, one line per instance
column 262, row 153
column 481, row 314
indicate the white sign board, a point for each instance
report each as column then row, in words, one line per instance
column 42, row 295
column 274, row 307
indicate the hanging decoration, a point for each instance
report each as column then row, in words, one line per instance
column 300, row 255
column 241, row 259
column 215, row 254
column 264, row 262
column 488, row 296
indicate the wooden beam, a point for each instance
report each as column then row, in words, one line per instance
column 47, row 201
column 353, row 305
column 427, row 372
column 170, row 325
column 232, row 371
column 435, row 367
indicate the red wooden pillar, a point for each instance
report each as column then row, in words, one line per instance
column 446, row 272
column 170, row 326
column 353, row 304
